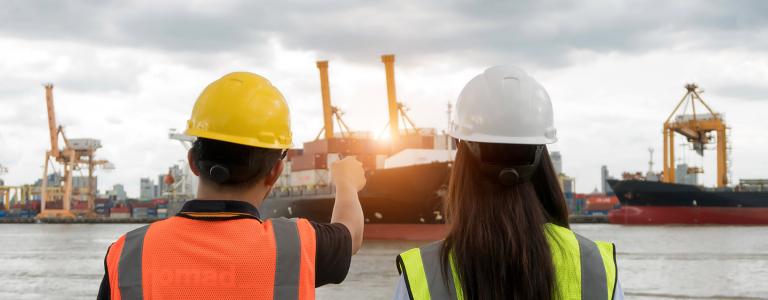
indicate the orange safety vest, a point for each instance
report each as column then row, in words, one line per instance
column 181, row 258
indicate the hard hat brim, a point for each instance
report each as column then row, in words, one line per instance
column 247, row 141
column 495, row 139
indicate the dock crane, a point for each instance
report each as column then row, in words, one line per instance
column 76, row 152
column 696, row 128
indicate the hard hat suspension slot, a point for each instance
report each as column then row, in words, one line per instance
column 508, row 163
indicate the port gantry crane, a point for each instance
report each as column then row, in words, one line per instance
column 76, row 152
column 696, row 128
column 19, row 194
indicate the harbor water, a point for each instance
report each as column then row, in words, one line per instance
column 65, row 261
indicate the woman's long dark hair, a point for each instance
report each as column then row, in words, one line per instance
column 496, row 235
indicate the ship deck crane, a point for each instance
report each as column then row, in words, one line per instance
column 76, row 152
column 696, row 128
column 397, row 110
column 330, row 112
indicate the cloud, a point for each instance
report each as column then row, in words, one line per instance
column 538, row 31
column 745, row 91
column 126, row 72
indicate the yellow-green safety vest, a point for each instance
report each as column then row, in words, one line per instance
column 584, row 270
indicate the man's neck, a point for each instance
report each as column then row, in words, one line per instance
column 253, row 196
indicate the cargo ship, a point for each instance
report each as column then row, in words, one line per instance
column 676, row 198
column 408, row 188
column 406, row 170
column 650, row 202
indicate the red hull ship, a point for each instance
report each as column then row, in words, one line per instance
column 649, row 202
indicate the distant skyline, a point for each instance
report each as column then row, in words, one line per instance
column 127, row 72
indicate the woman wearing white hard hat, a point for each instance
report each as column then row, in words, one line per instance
column 509, row 236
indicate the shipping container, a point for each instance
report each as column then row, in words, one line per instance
column 143, row 204
column 120, row 209
column 119, row 215
column 79, row 205
column 596, row 212
column 346, row 146
column 600, row 203
column 293, row 153
column 309, row 162
column 23, row 213
column 318, row 177
column 414, row 141
column 54, row 204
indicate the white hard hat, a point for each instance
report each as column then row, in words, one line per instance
column 504, row 105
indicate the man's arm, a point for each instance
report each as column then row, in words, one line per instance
column 349, row 178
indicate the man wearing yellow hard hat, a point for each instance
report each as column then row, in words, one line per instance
column 218, row 246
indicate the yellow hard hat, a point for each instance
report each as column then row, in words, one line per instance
column 242, row 108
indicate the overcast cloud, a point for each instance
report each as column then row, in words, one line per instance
column 125, row 72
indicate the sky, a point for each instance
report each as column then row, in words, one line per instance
column 125, row 72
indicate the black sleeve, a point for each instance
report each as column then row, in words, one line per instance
column 104, row 292
column 333, row 252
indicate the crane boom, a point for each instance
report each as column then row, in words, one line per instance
column 389, row 68
column 325, row 90
column 53, row 129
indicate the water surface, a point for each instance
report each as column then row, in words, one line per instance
column 65, row 261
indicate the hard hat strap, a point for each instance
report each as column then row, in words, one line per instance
column 507, row 175
column 284, row 154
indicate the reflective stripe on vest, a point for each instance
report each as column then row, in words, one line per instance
column 129, row 269
column 288, row 261
column 288, row 258
column 593, row 282
column 426, row 266
column 584, row 269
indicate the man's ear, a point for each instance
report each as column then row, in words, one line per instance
column 192, row 165
column 274, row 174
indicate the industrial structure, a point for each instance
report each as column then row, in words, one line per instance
column 330, row 112
column 397, row 111
column 77, row 153
column 678, row 198
column 393, row 162
column 696, row 128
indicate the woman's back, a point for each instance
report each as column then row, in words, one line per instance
column 583, row 269
column 508, row 219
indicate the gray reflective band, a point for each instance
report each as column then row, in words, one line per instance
column 288, row 263
column 129, row 267
column 439, row 287
column 593, row 278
